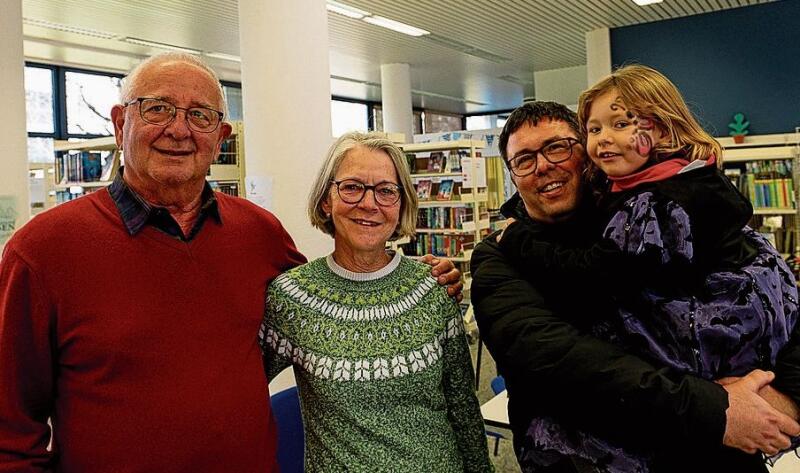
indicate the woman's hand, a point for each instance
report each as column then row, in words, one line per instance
column 446, row 274
column 509, row 221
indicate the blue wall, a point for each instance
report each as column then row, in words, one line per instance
column 740, row 60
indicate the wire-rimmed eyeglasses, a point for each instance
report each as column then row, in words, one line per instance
column 554, row 152
column 352, row 191
column 162, row 113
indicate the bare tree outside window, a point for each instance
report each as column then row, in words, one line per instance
column 89, row 101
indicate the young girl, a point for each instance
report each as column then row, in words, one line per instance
column 696, row 289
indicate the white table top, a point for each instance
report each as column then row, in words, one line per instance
column 495, row 411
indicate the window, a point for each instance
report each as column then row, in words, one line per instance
column 89, row 98
column 481, row 122
column 348, row 116
column 233, row 97
column 39, row 100
column 437, row 122
column 377, row 118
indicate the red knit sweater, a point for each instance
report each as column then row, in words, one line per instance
column 142, row 349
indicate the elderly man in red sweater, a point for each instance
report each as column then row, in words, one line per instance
column 128, row 318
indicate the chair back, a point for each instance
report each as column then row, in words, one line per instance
column 291, row 441
column 498, row 385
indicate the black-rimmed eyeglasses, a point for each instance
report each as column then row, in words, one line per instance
column 554, row 152
column 162, row 113
column 352, row 191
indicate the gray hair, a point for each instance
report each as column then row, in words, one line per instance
column 373, row 141
column 126, row 91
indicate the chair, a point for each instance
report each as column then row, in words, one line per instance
column 291, row 441
column 498, row 385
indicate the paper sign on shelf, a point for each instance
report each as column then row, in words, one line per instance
column 8, row 217
column 474, row 170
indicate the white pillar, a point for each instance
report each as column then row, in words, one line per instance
column 287, row 107
column 398, row 116
column 15, row 208
column 598, row 55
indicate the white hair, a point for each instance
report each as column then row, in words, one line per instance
column 126, row 90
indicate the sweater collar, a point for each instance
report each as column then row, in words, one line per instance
column 353, row 276
column 657, row 172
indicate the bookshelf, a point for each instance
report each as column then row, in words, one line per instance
column 765, row 169
column 450, row 180
column 82, row 167
column 226, row 174
column 42, row 186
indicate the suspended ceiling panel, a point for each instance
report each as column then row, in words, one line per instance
column 480, row 56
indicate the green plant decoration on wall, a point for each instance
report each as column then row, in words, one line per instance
column 739, row 127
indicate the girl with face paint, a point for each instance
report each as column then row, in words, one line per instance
column 695, row 289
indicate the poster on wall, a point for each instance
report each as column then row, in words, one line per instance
column 8, row 217
column 258, row 190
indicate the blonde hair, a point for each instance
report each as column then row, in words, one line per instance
column 373, row 141
column 648, row 93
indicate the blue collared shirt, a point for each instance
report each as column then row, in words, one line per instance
column 136, row 212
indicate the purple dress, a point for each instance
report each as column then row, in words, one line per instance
column 737, row 320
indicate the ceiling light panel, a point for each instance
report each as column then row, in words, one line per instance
column 395, row 26
column 346, row 10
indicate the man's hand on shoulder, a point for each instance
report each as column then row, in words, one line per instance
column 446, row 274
column 752, row 424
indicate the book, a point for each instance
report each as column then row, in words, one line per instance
column 91, row 166
column 445, row 190
column 436, row 162
column 424, row 189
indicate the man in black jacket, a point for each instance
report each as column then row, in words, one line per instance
column 553, row 365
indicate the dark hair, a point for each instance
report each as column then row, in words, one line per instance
column 534, row 112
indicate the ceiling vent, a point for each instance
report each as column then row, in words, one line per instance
column 464, row 48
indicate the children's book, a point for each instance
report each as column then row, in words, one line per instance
column 91, row 166
column 445, row 190
column 436, row 162
column 424, row 189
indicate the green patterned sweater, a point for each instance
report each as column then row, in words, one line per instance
column 382, row 366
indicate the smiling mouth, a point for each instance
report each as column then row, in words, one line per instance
column 607, row 155
column 174, row 152
column 365, row 223
column 552, row 186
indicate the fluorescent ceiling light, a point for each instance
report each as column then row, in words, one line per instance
column 223, row 56
column 345, row 10
column 68, row 28
column 395, row 26
column 156, row 44
column 642, row 3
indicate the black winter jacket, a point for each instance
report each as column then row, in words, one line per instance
column 553, row 365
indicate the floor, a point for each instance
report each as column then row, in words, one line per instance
column 505, row 461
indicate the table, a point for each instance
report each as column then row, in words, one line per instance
column 495, row 411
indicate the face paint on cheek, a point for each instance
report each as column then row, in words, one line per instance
column 642, row 139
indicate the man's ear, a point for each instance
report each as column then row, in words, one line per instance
column 118, row 119
column 225, row 130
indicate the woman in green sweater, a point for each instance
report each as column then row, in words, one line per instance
column 378, row 347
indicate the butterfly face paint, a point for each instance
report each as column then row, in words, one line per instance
column 618, row 141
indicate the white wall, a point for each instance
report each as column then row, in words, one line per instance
column 561, row 85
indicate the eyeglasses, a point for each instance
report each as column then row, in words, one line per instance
column 353, row 191
column 554, row 152
column 162, row 113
